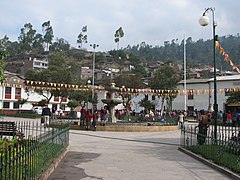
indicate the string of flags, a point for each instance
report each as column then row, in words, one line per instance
column 37, row 85
column 226, row 56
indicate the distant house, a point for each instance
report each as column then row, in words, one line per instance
column 86, row 72
column 36, row 63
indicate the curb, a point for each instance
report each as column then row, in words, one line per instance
column 211, row 164
column 46, row 174
column 130, row 128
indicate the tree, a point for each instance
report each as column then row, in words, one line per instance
column 234, row 97
column 140, row 70
column 118, row 34
column 82, row 97
column 3, row 43
column 165, row 78
column 2, row 56
column 129, row 80
column 20, row 102
column 37, row 44
column 43, row 102
column 148, row 105
column 47, row 34
column 60, row 45
column 72, row 104
column 27, row 37
column 82, row 37
column 59, row 71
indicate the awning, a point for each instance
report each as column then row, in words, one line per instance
column 233, row 104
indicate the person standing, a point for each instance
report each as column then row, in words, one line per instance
column 229, row 118
column 202, row 128
column 83, row 116
column 88, row 120
column 95, row 120
column 103, row 116
column 238, row 119
column 181, row 120
column 46, row 113
column 60, row 113
column 54, row 113
column 224, row 118
column 195, row 115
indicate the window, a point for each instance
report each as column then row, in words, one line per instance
column 37, row 63
column 56, row 99
column 64, row 99
column 8, row 92
column 18, row 93
column 6, row 104
column 16, row 105
column 190, row 94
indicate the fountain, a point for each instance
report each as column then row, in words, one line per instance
column 112, row 102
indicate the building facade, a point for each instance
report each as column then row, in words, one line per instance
column 200, row 93
column 13, row 89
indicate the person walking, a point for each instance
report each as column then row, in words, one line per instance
column 95, row 120
column 46, row 113
column 181, row 120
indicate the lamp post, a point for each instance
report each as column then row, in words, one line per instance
column 93, row 70
column 204, row 21
column 88, row 83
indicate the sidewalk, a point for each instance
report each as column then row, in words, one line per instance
column 129, row 156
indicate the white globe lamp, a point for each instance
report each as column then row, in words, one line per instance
column 204, row 20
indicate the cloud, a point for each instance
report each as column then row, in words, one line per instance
column 150, row 21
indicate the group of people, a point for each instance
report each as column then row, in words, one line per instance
column 206, row 118
column 87, row 118
column 229, row 119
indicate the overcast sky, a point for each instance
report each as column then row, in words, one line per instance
column 149, row 21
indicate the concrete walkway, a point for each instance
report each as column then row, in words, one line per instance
column 129, row 156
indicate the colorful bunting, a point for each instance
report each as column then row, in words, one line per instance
column 226, row 56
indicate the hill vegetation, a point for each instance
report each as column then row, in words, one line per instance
column 33, row 44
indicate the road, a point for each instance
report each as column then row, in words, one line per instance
column 129, row 156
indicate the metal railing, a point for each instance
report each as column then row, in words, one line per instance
column 29, row 157
column 224, row 150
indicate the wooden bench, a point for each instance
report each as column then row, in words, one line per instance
column 8, row 128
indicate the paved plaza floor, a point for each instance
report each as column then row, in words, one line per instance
column 129, row 156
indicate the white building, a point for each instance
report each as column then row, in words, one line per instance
column 202, row 96
column 40, row 63
column 199, row 94
column 13, row 89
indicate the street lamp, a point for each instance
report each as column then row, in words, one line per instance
column 204, row 21
column 88, row 83
column 93, row 70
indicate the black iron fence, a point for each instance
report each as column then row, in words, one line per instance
column 224, row 150
column 27, row 157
